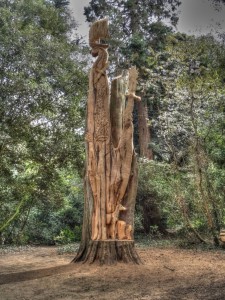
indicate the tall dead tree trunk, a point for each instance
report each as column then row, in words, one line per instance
column 111, row 170
column 144, row 136
column 143, row 131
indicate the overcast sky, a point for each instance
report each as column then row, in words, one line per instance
column 195, row 16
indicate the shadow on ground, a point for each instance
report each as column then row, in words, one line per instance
column 34, row 274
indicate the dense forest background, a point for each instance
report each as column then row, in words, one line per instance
column 179, row 125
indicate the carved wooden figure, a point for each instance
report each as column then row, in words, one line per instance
column 111, row 172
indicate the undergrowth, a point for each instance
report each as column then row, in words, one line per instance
column 141, row 241
column 69, row 248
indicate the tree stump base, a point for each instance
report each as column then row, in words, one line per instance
column 109, row 252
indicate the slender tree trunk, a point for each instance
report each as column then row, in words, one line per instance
column 143, row 131
column 111, row 172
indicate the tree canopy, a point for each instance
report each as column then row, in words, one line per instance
column 42, row 96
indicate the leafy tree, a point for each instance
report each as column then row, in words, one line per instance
column 190, row 124
column 41, row 103
column 47, row 224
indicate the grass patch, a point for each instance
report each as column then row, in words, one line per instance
column 151, row 241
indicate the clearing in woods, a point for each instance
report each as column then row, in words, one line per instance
column 40, row 273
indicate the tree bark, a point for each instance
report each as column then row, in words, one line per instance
column 111, row 251
column 143, row 131
column 111, row 171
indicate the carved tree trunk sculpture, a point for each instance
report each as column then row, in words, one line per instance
column 111, row 171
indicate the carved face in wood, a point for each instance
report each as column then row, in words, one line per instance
column 94, row 52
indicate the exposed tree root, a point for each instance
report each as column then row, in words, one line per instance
column 108, row 252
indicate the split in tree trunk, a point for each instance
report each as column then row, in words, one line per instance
column 111, row 171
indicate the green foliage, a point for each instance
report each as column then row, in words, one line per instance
column 200, row 84
column 156, row 188
column 48, row 222
column 186, row 201
column 41, row 104
column 134, row 26
column 66, row 236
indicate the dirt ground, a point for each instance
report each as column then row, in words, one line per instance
column 40, row 273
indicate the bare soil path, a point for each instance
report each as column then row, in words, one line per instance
column 40, row 273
